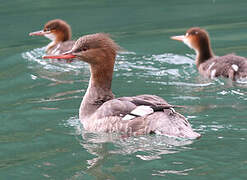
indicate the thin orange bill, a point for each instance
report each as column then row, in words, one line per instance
column 38, row 33
column 61, row 56
column 178, row 38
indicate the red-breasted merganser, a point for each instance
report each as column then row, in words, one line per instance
column 59, row 32
column 209, row 65
column 101, row 112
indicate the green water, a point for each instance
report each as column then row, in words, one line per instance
column 40, row 134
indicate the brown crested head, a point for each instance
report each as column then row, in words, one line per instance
column 95, row 48
column 197, row 38
column 60, row 28
column 99, row 50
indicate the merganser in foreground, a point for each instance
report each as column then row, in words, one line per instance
column 59, row 32
column 209, row 65
column 101, row 112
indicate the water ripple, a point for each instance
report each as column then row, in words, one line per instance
column 36, row 55
column 155, row 65
column 181, row 172
column 143, row 147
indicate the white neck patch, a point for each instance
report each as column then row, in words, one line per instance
column 186, row 41
column 50, row 36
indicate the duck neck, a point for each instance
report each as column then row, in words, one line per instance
column 203, row 54
column 98, row 91
column 62, row 36
column 51, row 46
column 54, row 42
column 56, row 39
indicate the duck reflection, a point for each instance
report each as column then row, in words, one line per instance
column 105, row 147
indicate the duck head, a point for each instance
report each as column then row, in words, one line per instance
column 197, row 39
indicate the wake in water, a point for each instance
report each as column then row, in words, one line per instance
column 146, row 147
column 36, row 55
column 163, row 70
column 169, row 68
column 155, row 65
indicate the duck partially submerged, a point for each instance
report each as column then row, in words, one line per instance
column 59, row 32
column 209, row 65
column 100, row 111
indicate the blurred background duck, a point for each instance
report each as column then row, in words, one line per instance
column 59, row 32
column 211, row 66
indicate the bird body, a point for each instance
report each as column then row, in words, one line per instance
column 100, row 111
column 211, row 66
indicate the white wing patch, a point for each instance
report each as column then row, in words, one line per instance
column 212, row 75
column 128, row 117
column 142, row 110
column 139, row 111
column 235, row 67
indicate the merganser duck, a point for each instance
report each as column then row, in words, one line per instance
column 101, row 112
column 59, row 32
column 209, row 65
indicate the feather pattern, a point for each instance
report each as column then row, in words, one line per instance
column 228, row 66
column 164, row 120
column 59, row 48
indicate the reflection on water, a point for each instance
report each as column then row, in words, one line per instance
column 153, row 145
column 103, row 145
column 60, row 97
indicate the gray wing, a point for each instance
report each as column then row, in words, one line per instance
column 66, row 46
column 163, row 120
column 61, row 47
column 229, row 66
column 124, row 105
